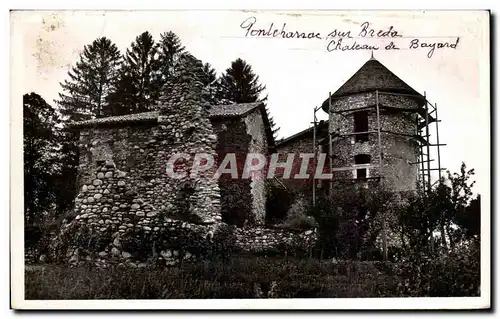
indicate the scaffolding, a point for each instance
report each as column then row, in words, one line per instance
column 426, row 114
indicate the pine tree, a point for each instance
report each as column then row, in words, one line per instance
column 91, row 80
column 139, row 85
column 209, row 74
column 240, row 84
column 124, row 99
column 211, row 83
column 170, row 48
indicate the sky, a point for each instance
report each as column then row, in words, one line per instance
column 298, row 73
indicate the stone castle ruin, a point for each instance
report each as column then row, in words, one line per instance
column 128, row 210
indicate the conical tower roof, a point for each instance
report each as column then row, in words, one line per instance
column 372, row 76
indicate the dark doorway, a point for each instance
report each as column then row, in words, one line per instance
column 361, row 125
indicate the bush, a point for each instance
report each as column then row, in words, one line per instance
column 278, row 202
column 297, row 217
column 447, row 273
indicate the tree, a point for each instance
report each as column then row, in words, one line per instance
column 350, row 220
column 469, row 220
column 211, row 83
column 210, row 76
column 40, row 152
column 240, row 84
column 139, row 84
column 65, row 181
column 447, row 207
column 123, row 100
column 91, row 80
column 170, row 49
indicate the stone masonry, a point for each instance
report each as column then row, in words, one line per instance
column 399, row 149
column 126, row 199
column 129, row 211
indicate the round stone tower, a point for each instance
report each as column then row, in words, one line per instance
column 374, row 124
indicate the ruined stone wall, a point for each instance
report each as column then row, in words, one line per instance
column 130, row 163
column 236, row 199
column 399, row 150
column 125, row 192
column 259, row 239
column 303, row 144
column 258, row 144
column 130, row 210
column 127, row 200
column 243, row 200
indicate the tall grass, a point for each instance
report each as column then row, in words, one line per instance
column 242, row 277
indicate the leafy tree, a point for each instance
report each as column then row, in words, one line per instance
column 240, row 84
column 139, row 84
column 65, row 182
column 350, row 220
column 50, row 162
column 460, row 213
column 447, row 207
column 452, row 268
column 469, row 220
column 91, row 80
column 419, row 219
column 40, row 155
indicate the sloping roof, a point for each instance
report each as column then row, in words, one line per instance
column 151, row 116
column 230, row 110
column 242, row 109
column 372, row 76
column 320, row 126
column 217, row 111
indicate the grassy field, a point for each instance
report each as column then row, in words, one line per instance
column 242, row 277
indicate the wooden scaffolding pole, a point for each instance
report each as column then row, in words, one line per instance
column 422, row 162
column 330, row 146
column 437, row 142
column 314, row 158
column 428, row 147
column 384, row 227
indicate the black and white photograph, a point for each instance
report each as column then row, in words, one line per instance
column 250, row 159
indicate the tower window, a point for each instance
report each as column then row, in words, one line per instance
column 361, row 159
column 361, row 125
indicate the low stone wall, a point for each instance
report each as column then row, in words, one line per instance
column 166, row 242
column 260, row 239
column 157, row 239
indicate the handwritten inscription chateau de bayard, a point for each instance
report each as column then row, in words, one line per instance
column 350, row 40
